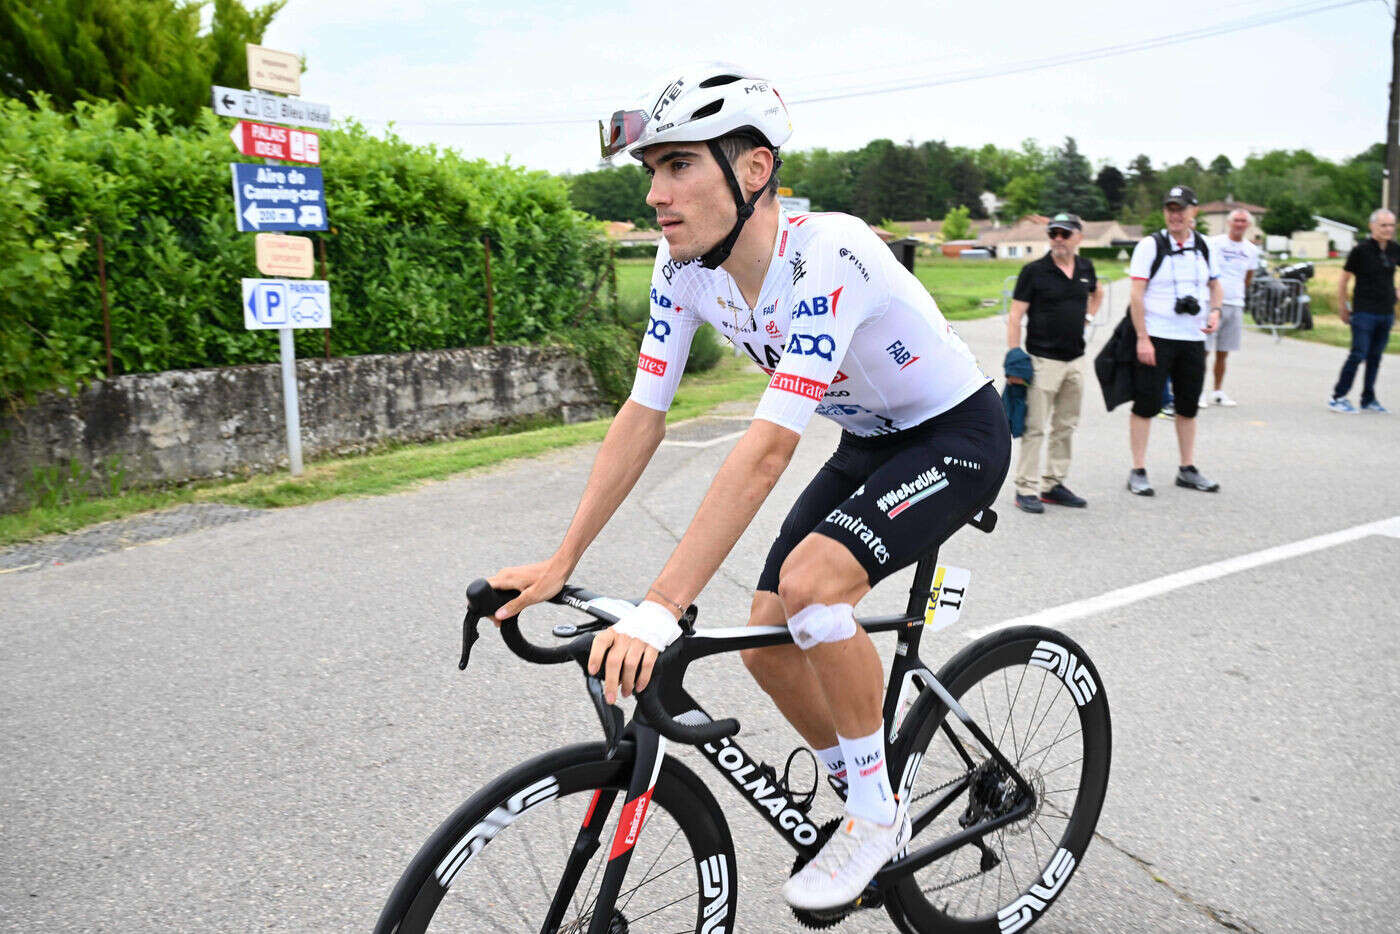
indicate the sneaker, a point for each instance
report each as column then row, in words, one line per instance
column 1168, row 411
column 1027, row 503
column 1219, row 398
column 1343, row 406
column 1060, row 495
column 1204, row 401
column 842, row 869
column 1191, row 478
column 1374, row 406
column 1138, row 485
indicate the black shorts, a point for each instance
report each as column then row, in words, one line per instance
column 1185, row 363
column 890, row 499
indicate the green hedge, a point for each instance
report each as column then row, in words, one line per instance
column 1104, row 252
column 404, row 252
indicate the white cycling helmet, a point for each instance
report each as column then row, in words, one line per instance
column 705, row 103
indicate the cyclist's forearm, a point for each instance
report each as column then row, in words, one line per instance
column 631, row 441
column 740, row 486
column 1013, row 323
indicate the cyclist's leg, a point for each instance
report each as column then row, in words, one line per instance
column 781, row 670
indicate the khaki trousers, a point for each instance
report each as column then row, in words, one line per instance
column 1054, row 395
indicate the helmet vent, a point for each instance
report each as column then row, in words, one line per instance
column 719, row 80
column 708, row 110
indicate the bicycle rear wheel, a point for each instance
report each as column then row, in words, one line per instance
column 498, row 862
column 1039, row 699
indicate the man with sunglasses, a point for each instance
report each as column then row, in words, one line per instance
column 1056, row 295
column 818, row 302
column 1176, row 302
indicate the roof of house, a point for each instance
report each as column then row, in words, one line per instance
column 1217, row 207
column 927, row 226
column 1327, row 220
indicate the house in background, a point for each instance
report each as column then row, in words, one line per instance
column 626, row 233
column 927, row 231
column 1343, row 236
column 1216, row 216
column 1027, row 238
column 1308, row 244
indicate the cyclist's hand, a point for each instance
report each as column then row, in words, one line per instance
column 626, row 652
column 536, row 583
column 1146, row 351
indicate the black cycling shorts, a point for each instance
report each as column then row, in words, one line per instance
column 1185, row 363
column 890, row 499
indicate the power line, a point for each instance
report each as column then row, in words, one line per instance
column 1087, row 55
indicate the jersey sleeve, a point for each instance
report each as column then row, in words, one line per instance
column 838, row 294
column 1093, row 276
column 665, row 344
column 1140, row 266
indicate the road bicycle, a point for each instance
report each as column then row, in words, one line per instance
column 1003, row 756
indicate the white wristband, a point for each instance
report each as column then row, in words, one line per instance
column 652, row 623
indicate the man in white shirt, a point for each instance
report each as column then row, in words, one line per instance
column 1176, row 300
column 1238, row 259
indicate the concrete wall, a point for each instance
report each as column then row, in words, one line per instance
column 190, row 424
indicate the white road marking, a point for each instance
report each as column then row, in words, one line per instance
column 704, row 444
column 1114, row 599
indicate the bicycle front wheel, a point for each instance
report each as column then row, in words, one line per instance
column 527, row 854
column 1036, row 695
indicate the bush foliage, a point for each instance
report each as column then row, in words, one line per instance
column 404, row 254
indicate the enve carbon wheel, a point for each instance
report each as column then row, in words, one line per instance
column 497, row 862
column 1038, row 697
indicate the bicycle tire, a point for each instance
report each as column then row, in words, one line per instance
column 509, row 803
column 1057, row 661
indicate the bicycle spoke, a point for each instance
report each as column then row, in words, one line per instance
column 1065, row 766
column 644, row 881
column 1055, row 743
column 1011, row 708
column 1034, row 709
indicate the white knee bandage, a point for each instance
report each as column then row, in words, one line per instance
column 822, row 623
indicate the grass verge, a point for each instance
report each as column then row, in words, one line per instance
column 1327, row 326
column 390, row 469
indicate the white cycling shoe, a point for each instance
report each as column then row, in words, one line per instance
column 841, row 870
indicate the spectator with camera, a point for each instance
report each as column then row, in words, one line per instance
column 1372, row 262
column 1056, row 295
column 1176, row 302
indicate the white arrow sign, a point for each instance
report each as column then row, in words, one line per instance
column 256, row 216
column 258, row 105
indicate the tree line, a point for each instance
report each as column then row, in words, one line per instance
column 885, row 180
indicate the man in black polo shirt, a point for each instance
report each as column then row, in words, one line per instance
column 1372, row 262
column 1056, row 294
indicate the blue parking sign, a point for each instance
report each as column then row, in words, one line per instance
column 269, row 304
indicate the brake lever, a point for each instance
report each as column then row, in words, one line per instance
column 609, row 715
column 469, row 637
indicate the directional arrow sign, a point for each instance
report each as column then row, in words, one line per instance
column 276, row 142
column 257, row 105
column 278, row 197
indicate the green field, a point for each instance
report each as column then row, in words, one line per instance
column 1327, row 326
column 961, row 287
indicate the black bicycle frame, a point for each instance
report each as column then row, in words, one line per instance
column 768, row 798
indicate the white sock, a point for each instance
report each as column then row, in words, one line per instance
column 869, row 794
column 835, row 762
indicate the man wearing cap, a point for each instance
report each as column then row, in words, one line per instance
column 1176, row 302
column 1238, row 260
column 1055, row 295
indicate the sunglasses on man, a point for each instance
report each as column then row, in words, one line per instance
column 1056, row 233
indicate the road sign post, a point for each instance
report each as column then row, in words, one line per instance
column 283, row 306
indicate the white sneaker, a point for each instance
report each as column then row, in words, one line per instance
column 1221, row 399
column 844, row 867
column 1204, row 402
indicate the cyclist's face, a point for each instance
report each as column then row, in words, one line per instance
column 693, row 204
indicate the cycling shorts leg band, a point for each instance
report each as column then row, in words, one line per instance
column 822, row 622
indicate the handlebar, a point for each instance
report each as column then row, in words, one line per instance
column 484, row 600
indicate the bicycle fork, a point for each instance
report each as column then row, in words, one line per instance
column 646, row 768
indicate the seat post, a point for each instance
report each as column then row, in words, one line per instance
column 923, row 577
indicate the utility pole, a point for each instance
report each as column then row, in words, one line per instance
column 1392, row 134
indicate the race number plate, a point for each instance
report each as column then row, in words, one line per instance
column 945, row 601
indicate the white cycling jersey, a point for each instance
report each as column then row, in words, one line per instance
column 843, row 329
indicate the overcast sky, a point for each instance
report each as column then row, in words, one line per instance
column 1318, row 81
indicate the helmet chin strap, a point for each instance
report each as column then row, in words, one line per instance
column 720, row 251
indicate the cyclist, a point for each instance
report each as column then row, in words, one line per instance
column 820, row 303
